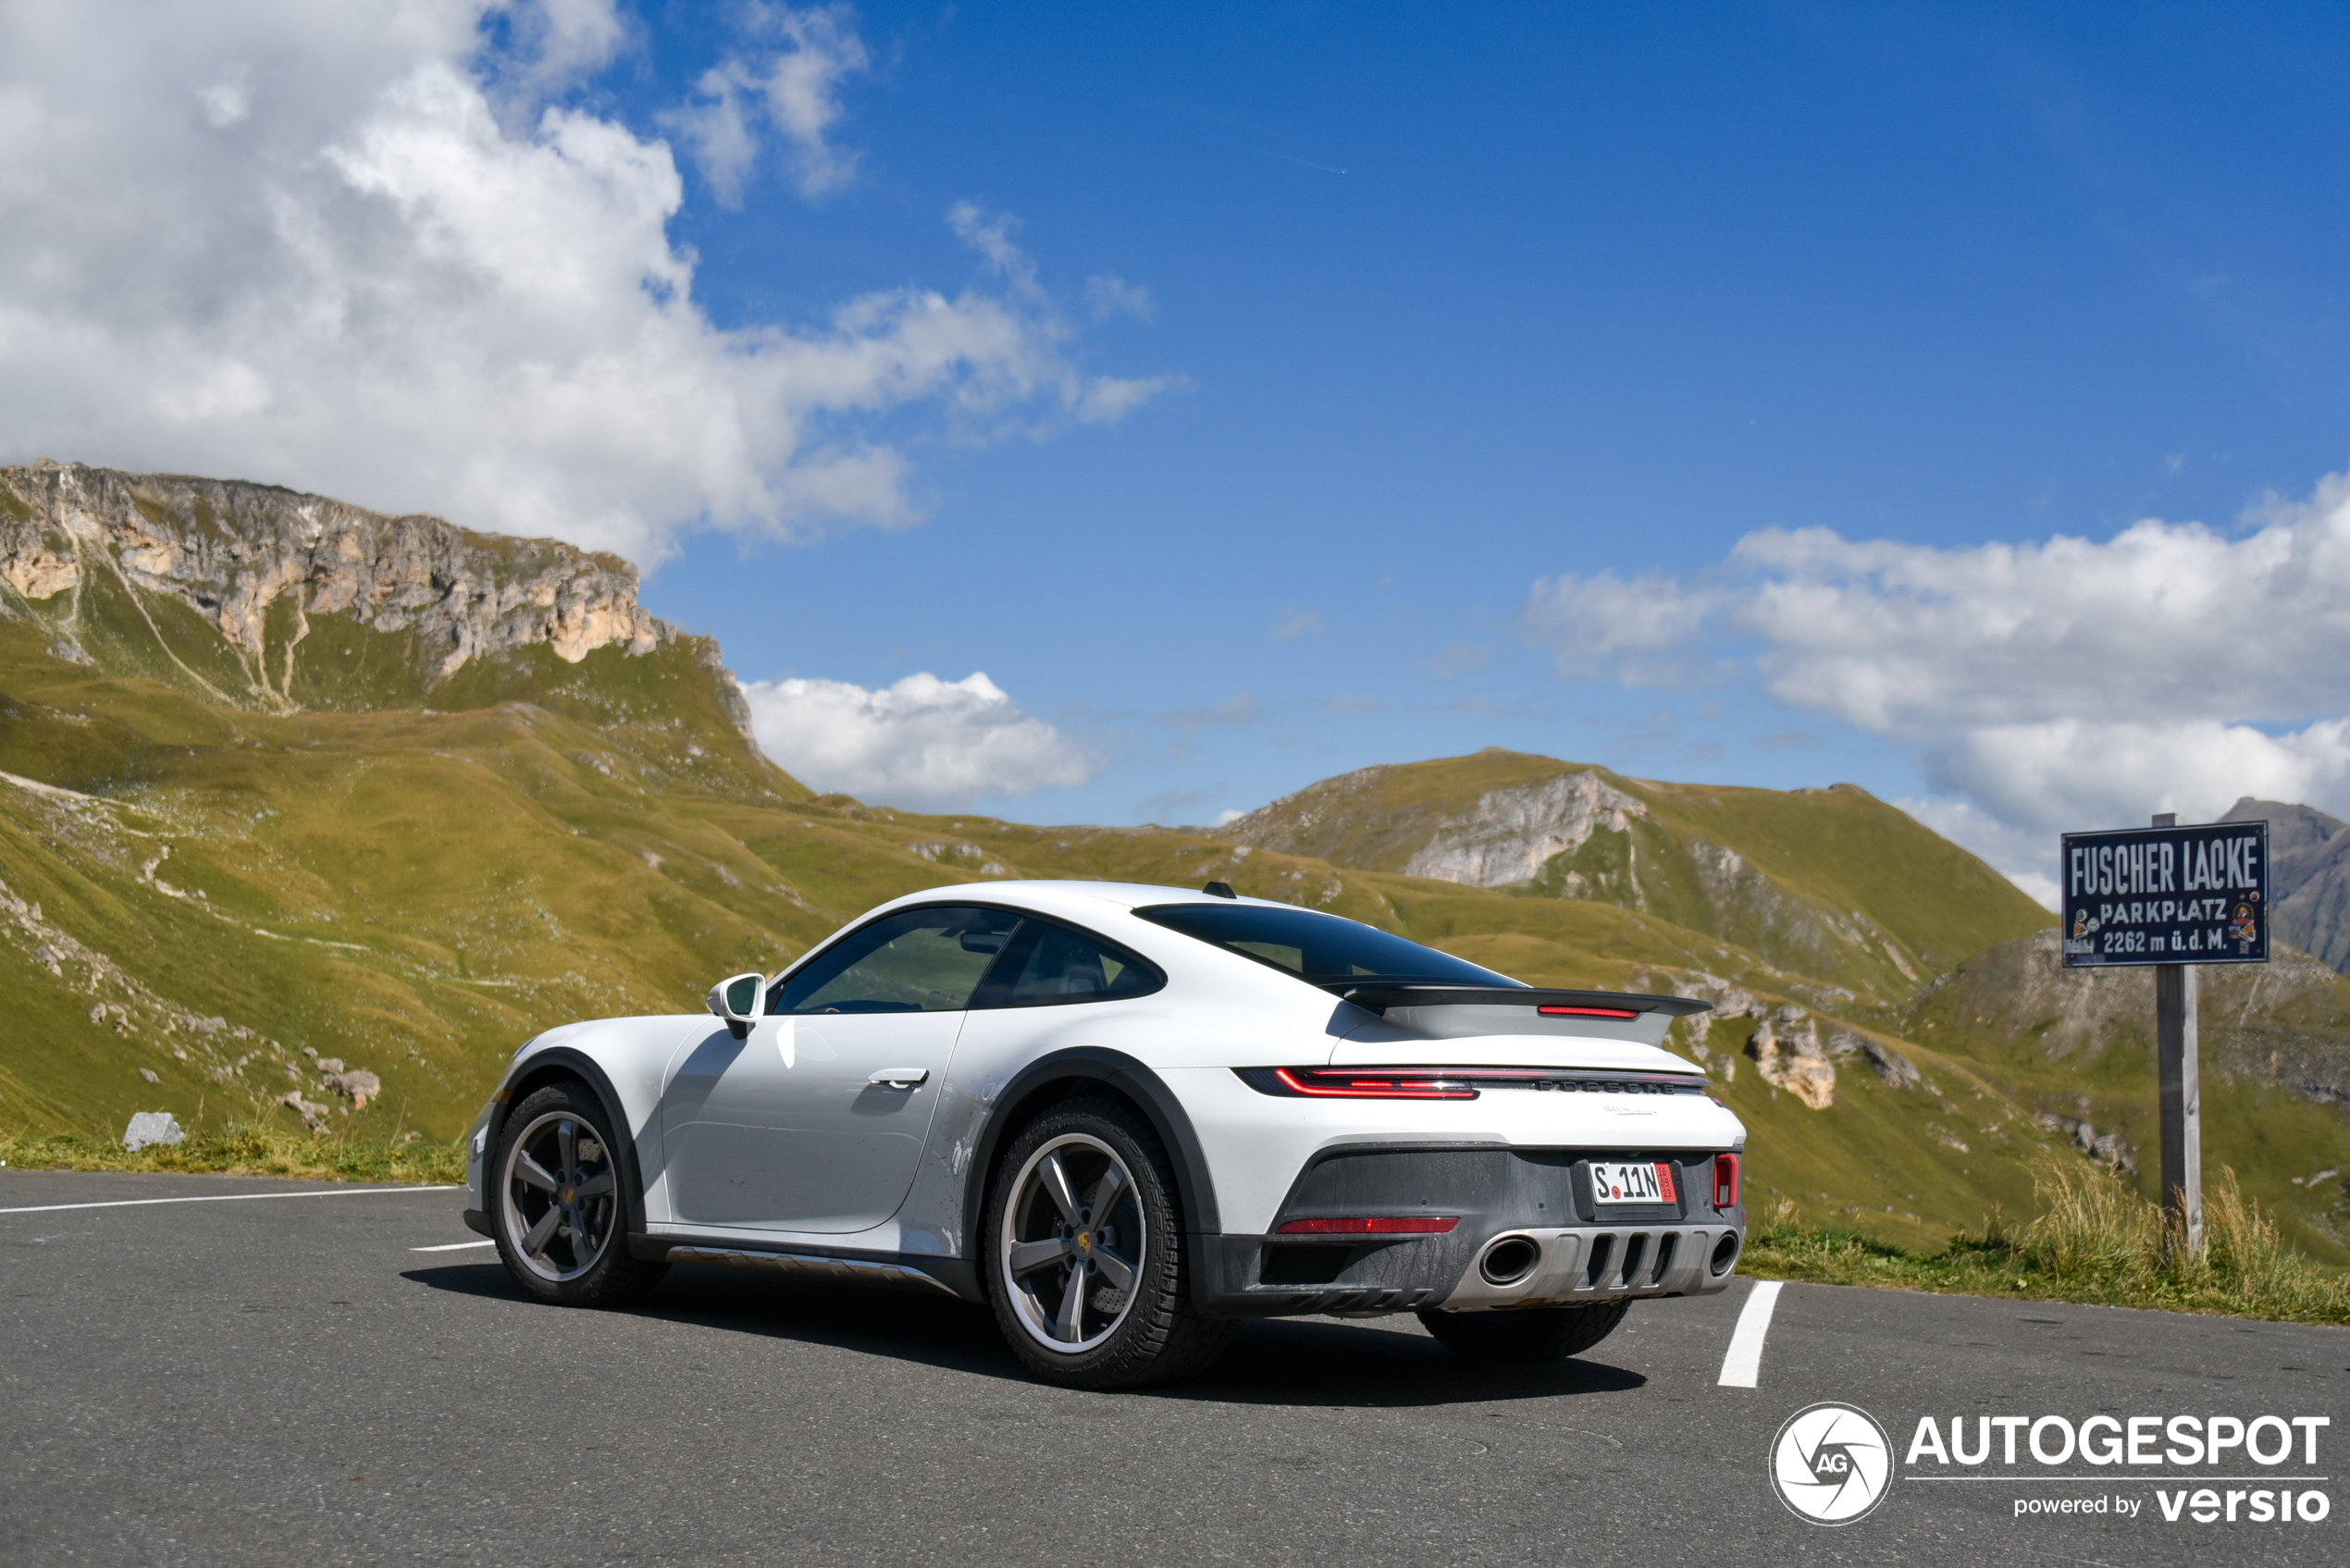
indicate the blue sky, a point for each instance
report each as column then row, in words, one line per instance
column 1385, row 383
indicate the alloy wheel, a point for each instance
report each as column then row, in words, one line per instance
column 561, row 1197
column 1073, row 1243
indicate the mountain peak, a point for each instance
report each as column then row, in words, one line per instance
column 123, row 569
column 2308, row 874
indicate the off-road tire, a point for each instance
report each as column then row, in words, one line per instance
column 1161, row 1338
column 611, row 1278
column 1525, row 1334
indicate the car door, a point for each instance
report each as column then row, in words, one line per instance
column 814, row 1121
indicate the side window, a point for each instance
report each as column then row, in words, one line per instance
column 926, row 960
column 1045, row 964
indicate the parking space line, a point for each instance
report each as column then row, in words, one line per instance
column 232, row 1198
column 1743, row 1365
column 452, row 1246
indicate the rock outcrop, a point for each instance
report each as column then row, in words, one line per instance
column 1786, row 1051
column 259, row 564
column 2309, row 876
column 2283, row 1022
column 1511, row 834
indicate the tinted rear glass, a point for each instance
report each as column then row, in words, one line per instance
column 1045, row 964
column 1320, row 948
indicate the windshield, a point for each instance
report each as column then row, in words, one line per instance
column 1320, row 948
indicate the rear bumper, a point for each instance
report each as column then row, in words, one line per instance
column 1603, row 1263
column 1528, row 1234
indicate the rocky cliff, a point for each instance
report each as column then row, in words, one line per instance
column 263, row 567
column 2308, row 875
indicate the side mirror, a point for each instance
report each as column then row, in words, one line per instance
column 735, row 999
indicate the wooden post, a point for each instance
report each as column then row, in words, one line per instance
column 2178, row 1054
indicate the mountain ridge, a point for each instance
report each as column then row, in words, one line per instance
column 2309, row 875
column 261, row 564
column 1785, row 874
column 211, row 889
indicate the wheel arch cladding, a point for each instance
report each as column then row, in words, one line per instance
column 561, row 1064
column 1065, row 1074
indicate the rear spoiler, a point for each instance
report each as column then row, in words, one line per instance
column 1428, row 1010
column 1380, row 995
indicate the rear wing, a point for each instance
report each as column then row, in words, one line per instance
column 1455, row 1012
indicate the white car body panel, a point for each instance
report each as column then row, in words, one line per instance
column 1257, row 1144
column 735, row 1140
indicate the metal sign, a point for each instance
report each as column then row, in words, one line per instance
column 2167, row 895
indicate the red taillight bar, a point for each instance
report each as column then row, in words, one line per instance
column 1588, row 1012
column 1376, row 1084
column 1726, row 1182
column 1375, row 1225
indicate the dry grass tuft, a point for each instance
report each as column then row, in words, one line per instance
column 2093, row 1240
column 254, row 1148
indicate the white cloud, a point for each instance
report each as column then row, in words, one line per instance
column 1603, row 623
column 1111, row 295
column 324, row 246
column 2169, row 619
column 794, row 88
column 2070, row 774
column 1106, row 400
column 2001, row 844
column 227, row 101
column 2065, row 682
column 558, row 43
column 923, row 743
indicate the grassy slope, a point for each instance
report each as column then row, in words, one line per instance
column 417, row 891
column 1844, row 850
column 2081, row 1047
column 1832, row 884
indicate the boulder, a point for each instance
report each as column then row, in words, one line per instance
column 357, row 1084
column 152, row 1127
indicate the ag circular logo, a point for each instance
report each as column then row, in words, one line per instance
column 1832, row 1463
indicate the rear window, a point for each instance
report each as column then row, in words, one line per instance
column 1045, row 964
column 1323, row 949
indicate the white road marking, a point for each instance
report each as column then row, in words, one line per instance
column 452, row 1246
column 1744, row 1363
column 231, row 1198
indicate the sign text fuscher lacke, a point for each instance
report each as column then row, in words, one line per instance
column 2167, row 895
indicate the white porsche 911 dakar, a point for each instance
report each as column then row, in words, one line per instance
column 1124, row 1119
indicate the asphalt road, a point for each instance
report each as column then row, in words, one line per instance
column 290, row 1380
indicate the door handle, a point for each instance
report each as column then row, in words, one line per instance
column 901, row 1078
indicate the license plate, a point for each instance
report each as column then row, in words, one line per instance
column 1642, row 1183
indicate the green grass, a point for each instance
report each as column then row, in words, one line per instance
column 248, row 1149
column 414, row 876
column 2093, row 1241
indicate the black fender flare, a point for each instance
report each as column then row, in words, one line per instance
column 564, row 1061
column 1195, row 1189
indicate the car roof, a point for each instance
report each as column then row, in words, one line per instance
column 1070, row 896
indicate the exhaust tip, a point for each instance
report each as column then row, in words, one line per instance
column 1509, row 1260
column 1726, row 1252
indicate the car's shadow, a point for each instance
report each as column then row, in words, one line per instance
column 1274, row 1361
